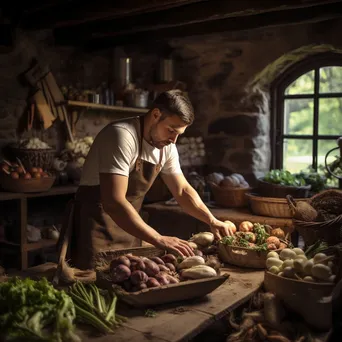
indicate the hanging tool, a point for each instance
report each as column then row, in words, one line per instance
column 30, row 117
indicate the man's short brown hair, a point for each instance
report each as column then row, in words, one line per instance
column 175, row 102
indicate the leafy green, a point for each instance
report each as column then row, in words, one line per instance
column 315, row 179
column 284, row 177
column 260, row 234
column 36, row 310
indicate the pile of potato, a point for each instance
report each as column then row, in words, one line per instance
column 135, row 273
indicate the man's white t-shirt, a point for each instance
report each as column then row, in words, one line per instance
column 116, row 149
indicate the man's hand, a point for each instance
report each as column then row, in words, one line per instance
column 173, row 244
column 221, row 229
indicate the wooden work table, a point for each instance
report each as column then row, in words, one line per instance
column 177, row 321
column 172, row 220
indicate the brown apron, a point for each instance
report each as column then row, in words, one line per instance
column 93, row 230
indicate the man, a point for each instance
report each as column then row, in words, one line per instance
column 122, row 164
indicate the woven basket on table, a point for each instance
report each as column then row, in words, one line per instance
column 326, row 203
column 229, row 197
column 33, row 157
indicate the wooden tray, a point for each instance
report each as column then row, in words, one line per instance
column 158, row 295
column 243, row 257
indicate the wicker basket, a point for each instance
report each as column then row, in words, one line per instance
column 243, row 257
column 34, row 158
column 280, row 191
column 145, row 298
column 229, row 198
column 269, row 206
column 328, row 201
column 26, row 185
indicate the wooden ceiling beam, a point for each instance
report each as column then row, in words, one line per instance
column 265, row 20
column 191, row 14
column 79, row 12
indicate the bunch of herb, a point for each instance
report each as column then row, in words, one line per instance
column 261, row 234
column 35, row 310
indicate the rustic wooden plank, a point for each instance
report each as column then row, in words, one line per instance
column 58, row 15
column 169, row 324
column 239, row 288
column 264, row 20
column 201, row 12
column 123, row 334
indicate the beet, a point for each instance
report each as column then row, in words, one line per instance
column 136, row 263
column 171, row 279
column 151, row 268
column 171, row 267
column 157, row 260
column 121, row 260
column 138, row 277
column 152, row 282
column 169, row 258
column 162, row 278
column 120, row 274
column 164, row 268
column 138, row 287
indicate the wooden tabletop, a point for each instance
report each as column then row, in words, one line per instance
column 237, row 215
column 177, row 321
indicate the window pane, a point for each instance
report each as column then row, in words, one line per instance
column 324, row 146
column 297, row 154
column 330, row 79
column 302, row 85
column 298, row 116
column 330, row 116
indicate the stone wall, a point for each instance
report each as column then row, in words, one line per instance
column 220, row 70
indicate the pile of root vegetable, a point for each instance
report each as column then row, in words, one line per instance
column 135, row 273
column 256, row 236
column 266, row 319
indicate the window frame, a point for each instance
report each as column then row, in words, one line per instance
column 278, row 87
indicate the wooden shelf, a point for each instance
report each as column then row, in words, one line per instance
column 43, row 243
column 23, row 198
column 30, row 246
column 90, row 105
column 54, row 191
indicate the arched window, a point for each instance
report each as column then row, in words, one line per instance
column 307, row 112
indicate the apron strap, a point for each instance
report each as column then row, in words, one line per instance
column 159, row 165
column 138, row 161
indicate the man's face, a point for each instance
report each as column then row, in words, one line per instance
column 166, row 131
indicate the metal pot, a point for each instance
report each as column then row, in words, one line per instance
column 166, row 71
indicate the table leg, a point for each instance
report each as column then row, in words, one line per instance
column 23, row 233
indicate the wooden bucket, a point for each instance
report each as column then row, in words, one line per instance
column 310, row 300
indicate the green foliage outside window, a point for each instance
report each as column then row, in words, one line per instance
column 299, row 114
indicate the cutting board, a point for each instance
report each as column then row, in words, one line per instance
column 43, row 109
